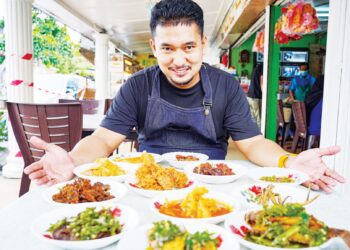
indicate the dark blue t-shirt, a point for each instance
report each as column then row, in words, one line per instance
column 230, row 110
column 184, row 98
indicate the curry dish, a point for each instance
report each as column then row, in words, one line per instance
column 81, row 191
column 219, row 169
column 195, row 205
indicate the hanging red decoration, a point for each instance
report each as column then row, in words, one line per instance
column 16, row 82
column 259, row 42
column 224, row 59
column 27, row 56
column 297, row 20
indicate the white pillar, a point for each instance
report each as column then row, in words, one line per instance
column 266, row 68
column 19, row 69
column 103, row 88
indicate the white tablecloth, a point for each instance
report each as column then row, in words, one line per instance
column 15, row 219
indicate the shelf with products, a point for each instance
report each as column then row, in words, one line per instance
column 291, row 62
column 121, row 67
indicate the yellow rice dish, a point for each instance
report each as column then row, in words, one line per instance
column 105, row 168
column 143, row 158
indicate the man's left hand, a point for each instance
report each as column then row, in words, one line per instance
column 311, row 163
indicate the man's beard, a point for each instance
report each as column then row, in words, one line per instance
column 183, row 83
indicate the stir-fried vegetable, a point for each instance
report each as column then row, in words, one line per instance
column 87, row 225
column 285, row 226
column 266, row 196
column 165, row 235
column 278, row 179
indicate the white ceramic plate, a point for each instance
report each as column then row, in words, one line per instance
column 131, row 180
column 78, row 171
column 128, row 241
column 128, row 217
column 171, row 159
column 259, row 172
column 238, row 220
column 179, row 195
column 237, row 168
column 132, row 167
column 116, row 189
column 295, row 194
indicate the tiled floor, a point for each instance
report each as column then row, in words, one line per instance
column 9, row 188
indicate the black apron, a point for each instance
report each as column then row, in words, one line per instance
column 169, row 128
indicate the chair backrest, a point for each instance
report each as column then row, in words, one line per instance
column 299, row 113
column 280, row 115
column 60, row 124
column 314, row 127
column 89, row 106
column 108, row 103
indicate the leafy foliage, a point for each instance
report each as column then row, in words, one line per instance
column 2, row 42
column 3, row 129
column 51, row 42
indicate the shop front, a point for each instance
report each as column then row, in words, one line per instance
column 316, row 61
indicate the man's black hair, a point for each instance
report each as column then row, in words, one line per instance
column 175, row 12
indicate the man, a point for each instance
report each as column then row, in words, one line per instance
column 314, row 96
column 255, row 94
column 181, row 104
column 300, row 85
column 313, row 105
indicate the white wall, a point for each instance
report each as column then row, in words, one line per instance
column 336, row 100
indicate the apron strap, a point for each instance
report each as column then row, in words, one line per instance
column 156, row 84
column 208, row 99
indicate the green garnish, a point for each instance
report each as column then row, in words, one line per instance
column 164, row 231
column 200, row 239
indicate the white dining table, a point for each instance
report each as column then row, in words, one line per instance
column 16, row 218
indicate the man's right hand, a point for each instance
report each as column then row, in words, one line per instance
column 55, row 166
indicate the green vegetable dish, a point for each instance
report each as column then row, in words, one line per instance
column 87, row 225
column 285, row 226
column 168, row 236
column 280, row 179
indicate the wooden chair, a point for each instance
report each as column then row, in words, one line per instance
column 132, row 138
column 93, row 107
column 60, row 124
column 89, row 106
column 282, row 125
column 108, row 104
column 299, row 113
